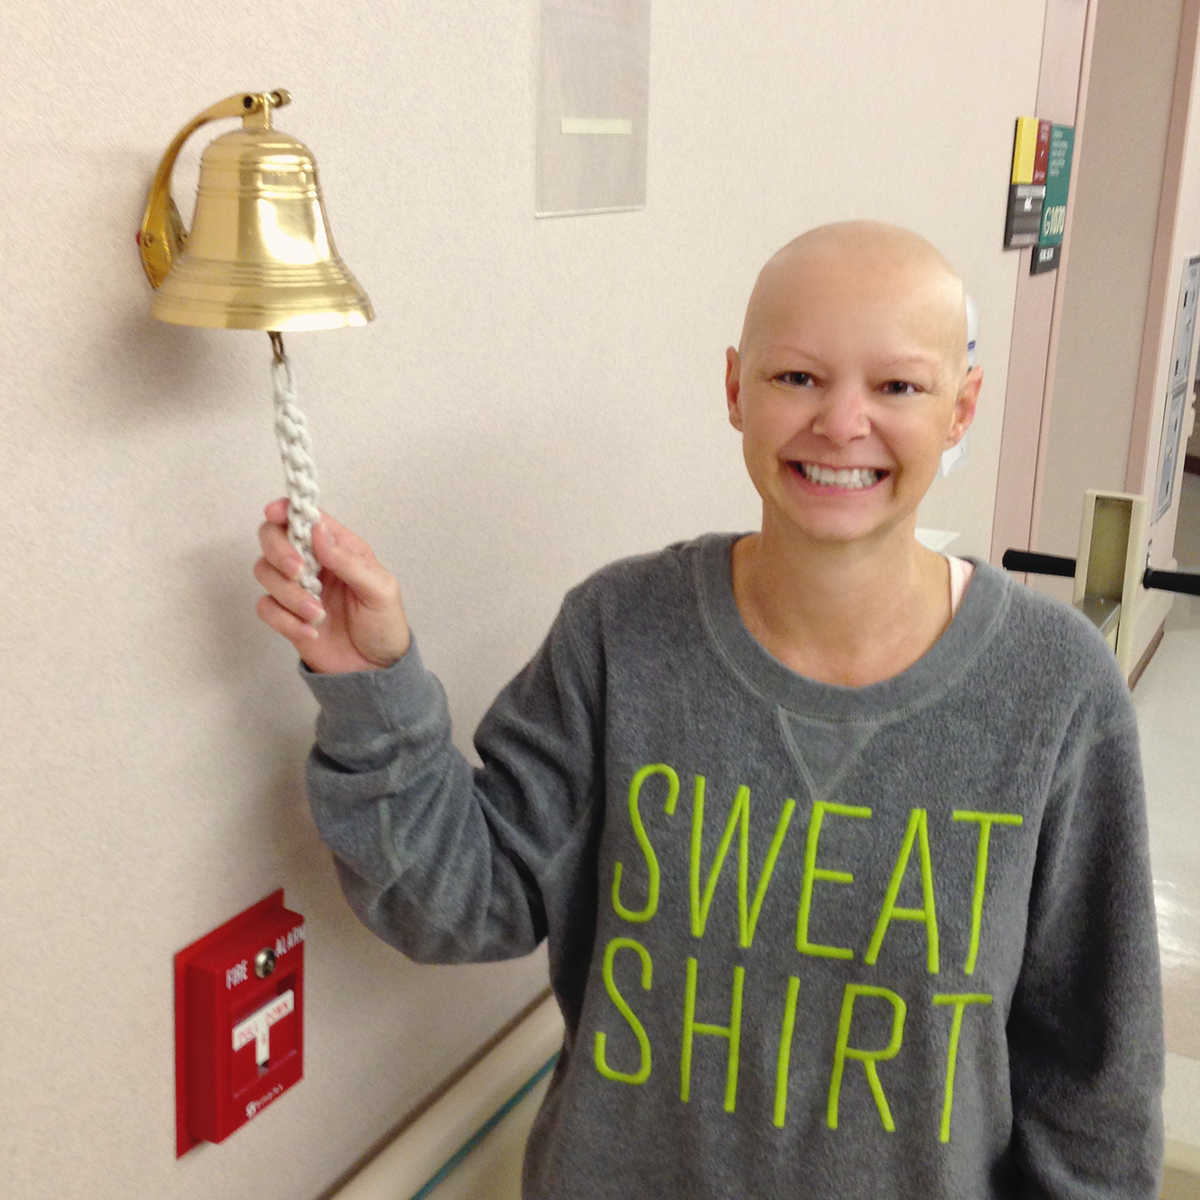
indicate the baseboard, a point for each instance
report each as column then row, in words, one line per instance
column 423, row 1151
column 1181, row 1174
column 1143, row 662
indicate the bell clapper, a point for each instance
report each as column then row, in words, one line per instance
column 291, row 431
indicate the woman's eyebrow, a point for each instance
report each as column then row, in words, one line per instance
column 903, row 363
column 908, row 360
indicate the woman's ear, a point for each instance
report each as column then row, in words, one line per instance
column 965, row 405
column 733, row 387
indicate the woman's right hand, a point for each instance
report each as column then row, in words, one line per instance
column 357, row 625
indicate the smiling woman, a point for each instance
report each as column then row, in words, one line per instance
column 929, row 971
column 848, row 384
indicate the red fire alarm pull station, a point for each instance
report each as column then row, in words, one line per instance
column 239, row 1008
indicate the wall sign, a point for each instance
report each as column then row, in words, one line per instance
column 592, row 106
column 1027, row 188
column 1054, row 204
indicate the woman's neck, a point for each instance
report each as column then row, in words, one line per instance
column 848, row 613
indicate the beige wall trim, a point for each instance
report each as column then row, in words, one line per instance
column 1062, row 96
column 1157, row 310
column 1073, row 24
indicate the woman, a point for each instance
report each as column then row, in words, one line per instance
column 839, row 845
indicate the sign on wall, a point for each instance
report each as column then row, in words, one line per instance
column 1054, row 204
column 1027, row 188
column 1037, row 193
column 592, row 105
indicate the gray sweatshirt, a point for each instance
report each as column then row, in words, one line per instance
column 885, row 942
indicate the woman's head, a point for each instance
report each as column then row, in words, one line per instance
column 850, row 380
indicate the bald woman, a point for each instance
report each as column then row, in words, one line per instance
column 838, row 845
column 849, row 382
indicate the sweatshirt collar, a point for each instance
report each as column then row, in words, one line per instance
column 939, row 669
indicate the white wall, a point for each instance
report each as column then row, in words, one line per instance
column 533, row 399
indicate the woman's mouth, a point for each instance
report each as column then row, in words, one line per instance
column 848, row 478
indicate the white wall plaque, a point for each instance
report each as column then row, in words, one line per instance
column 592, row 106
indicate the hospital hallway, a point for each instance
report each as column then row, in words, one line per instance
column 1167, row 700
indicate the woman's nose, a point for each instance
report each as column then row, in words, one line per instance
column 843, row 415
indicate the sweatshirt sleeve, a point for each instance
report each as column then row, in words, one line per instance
column 447, row 862
column 1085, row 1028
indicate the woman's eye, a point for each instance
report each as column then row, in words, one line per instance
column 795, row 378
column 900, row 387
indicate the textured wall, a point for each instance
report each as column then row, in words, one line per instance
column 533, row 399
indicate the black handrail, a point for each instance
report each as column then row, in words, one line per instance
column 1038, row 564
column 1172, row 581
column 1184, row 582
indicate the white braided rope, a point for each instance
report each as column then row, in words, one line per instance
column 291, row 431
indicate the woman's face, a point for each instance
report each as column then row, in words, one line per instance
column 850, row 382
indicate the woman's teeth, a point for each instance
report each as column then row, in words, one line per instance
column 857, row 477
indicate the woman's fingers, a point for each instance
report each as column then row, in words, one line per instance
column 338, row 550
column 300, row 633
column 276, row 512
column 287, row 593
column 341, row 547
column 352, row 560
column 278, row 551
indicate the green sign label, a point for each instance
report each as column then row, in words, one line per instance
column 1058, row 178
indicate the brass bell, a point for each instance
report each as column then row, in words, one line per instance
column 260, row 254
